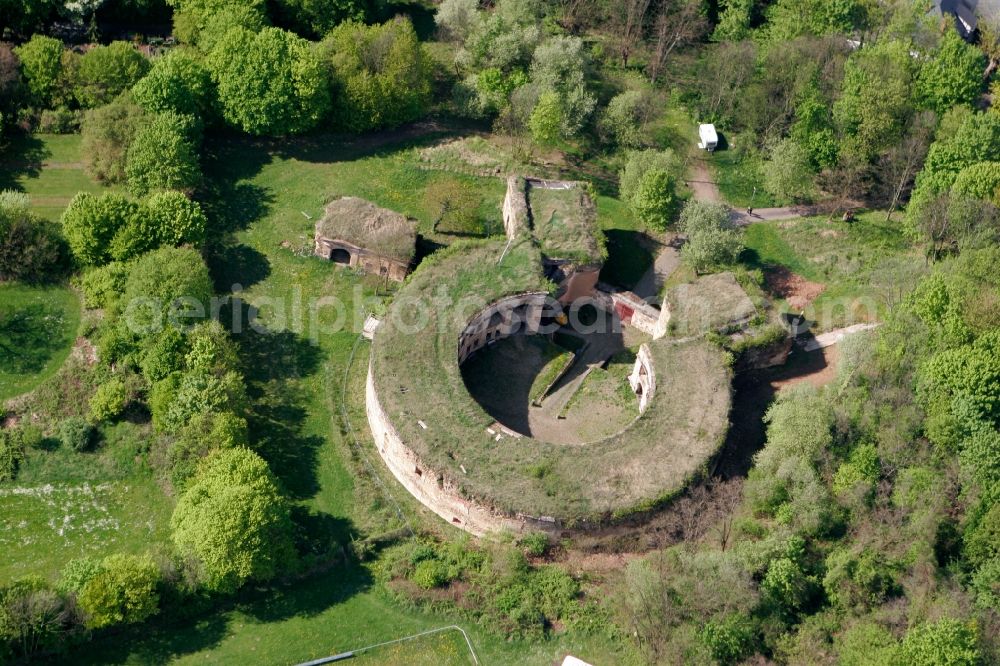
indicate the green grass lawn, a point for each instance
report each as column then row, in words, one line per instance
column 49, row 168
column 864, row 265
column 329, row 614
column 43, row 526
column 737, row 176
column 37, row 328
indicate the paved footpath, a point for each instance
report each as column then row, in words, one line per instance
column 831, row 338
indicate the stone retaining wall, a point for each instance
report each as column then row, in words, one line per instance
column 521, row 313
column 433, row 489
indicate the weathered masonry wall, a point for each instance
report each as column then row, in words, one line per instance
column 433, row 489
column 632, row 310
column 366, row 260
column 514, row 314
column 515, row 207
column 643, row 377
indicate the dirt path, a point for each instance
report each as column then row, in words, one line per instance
column 741, row 218
column 701, row 183
column 831, row 338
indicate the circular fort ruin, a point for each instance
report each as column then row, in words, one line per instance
column 482, row 476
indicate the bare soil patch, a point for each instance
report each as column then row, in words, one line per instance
column 795, row 289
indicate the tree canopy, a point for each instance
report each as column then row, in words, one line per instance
column 234, row 520
column 270, row 82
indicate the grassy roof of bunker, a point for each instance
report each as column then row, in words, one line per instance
column 362, row 223
column 565, row 224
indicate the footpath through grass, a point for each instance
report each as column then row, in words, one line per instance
column 37, row 328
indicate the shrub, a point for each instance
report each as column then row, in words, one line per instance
column 33, row 617
column 861, row 470
column 982, row 540
column 163, row 155
column 176, row 219
column 535, row 544
column 90, row 222
column 124, row 591
column 788, row 172
column 270, row 82
column 947, row 641
column 107, row 71
column 59, row 121
column 76, row 433
column 76, row 573
column 986, row 585
column 656, row 201
column 234, row 521
column 859, row 581
column 160, row 286
column 711, row 237
column 547, row 119
column 11, row 453
column 110, row 399
column 430, row 573
column 622, row 121
column 638, row 164
column 31, row 249
column 381, row 73
column 730, row 639
column 102, row 285
column 560, row 66
column 107, row 132
column 204, row 434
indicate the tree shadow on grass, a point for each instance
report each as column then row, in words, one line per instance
column 22, row 158
column 232, row 206
column 274, row 362
column 28, row 338
column 235, row 263
column 165, row 638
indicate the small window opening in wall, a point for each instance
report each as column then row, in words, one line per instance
column 418, row 471
column 456, row 521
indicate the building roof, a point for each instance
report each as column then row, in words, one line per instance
column 370, row 227
column 564, row 221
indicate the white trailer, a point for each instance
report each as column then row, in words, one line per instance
column 708, row 136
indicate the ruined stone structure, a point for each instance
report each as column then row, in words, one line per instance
column 359, row 234
column 521, row 313
column 643, row 377
column 434, row 489
column 564, row 225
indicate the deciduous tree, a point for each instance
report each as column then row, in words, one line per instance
column 107, row 71
column 163, row 155
column 234, row 521
column 270, row 82
column 381, row 72
column 122, row 592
